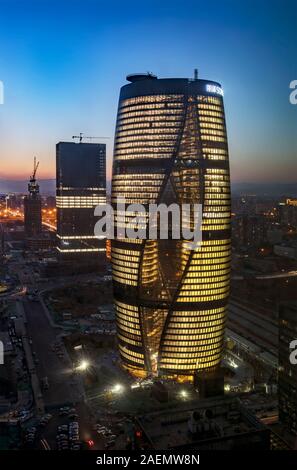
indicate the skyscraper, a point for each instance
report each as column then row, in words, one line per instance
column 171, row 146
column 287, row 375
column 32, row 207
column 81, row 186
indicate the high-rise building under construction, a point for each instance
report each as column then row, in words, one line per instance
column 32, row 207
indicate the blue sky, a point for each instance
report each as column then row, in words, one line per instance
column 63, row 63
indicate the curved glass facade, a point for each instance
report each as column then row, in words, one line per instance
column 171, row 147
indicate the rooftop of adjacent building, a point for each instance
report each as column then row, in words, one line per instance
column 212, row 419
column 84, row 144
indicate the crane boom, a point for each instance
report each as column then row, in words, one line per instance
column 81, row 136
column 36, row 165
column 33, row 187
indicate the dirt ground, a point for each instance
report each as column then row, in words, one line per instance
column 80, row 301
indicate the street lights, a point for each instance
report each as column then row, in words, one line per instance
column 118, row 388
column 83, row 366
column 183, row 394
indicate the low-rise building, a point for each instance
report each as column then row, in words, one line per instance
column 220, row 423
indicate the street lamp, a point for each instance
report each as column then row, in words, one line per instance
column 183, row 394
column 118, row 388
column 83, row 366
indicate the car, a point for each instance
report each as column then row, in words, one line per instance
column 75, row 447
column 108, row 445
column 73, row 430
column 62, row 441
column 63, row 446
column 63, row 428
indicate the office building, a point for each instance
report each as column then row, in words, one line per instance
column 213, row 424
column 171, row 300
column 81, row 186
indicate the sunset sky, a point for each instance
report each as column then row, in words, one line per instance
column 63, row 63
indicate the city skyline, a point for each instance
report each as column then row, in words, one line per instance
column 58, row 83
column 148, row 231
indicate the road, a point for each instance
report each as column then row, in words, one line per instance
column 63, row 388
column 280, row 275
column 13, row 216
column 251, row 324
column 58, row 371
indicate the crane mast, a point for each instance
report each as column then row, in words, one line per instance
column 33, row 187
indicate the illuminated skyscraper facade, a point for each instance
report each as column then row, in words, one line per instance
column 81, row 186
column 171, row 301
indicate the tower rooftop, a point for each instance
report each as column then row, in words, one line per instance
column 136, row 77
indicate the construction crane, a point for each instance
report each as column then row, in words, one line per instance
column 33, row 187
column 36, row 165
column 81, row 136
